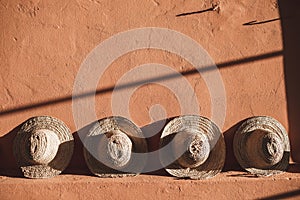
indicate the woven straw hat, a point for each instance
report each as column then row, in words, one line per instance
column 194, row 146
column 114, row 147
column 43, row 147
column 261, row 146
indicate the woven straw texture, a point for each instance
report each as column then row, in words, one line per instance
column 252, row 163
column 51, row 151
column 215, row 161
column 92, row 141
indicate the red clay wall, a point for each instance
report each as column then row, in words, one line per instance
column 43, row 44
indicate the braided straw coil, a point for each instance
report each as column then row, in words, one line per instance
column 114, row 147
column 194, row 146
column 43, row 147
column 261, row 146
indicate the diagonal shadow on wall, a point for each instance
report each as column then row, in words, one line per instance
column 138, row 83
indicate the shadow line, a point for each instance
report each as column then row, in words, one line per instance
column 195, row 12
column 290, row 18
column 283, row 195
column 255, row 22
column 137, row 83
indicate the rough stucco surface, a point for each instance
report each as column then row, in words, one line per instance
column 225, row 186
column 43, row 44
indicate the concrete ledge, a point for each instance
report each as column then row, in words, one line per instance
column 227, row 185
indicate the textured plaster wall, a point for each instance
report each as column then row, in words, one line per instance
column 43, row 44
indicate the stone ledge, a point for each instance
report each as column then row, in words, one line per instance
column 227, row 185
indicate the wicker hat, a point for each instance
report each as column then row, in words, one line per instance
column 114, row 147
column 43, row 147
column 192, row 147
column 261, row 146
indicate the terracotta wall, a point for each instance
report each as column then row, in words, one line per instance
column 43, row 44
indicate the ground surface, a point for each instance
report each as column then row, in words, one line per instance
column 227, row 185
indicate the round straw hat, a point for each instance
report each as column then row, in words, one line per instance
column 43, row 147
column 261, row 146
column 114, row 147
column 192, row 147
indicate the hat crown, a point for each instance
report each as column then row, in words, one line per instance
column 42, row 146
column 264, row 148
column 272, row 148
column 191, row 147
column 115, row 149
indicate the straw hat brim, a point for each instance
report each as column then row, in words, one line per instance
column 139, row 146
column 214, row 163
column 263, row 123
column 62, row 157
